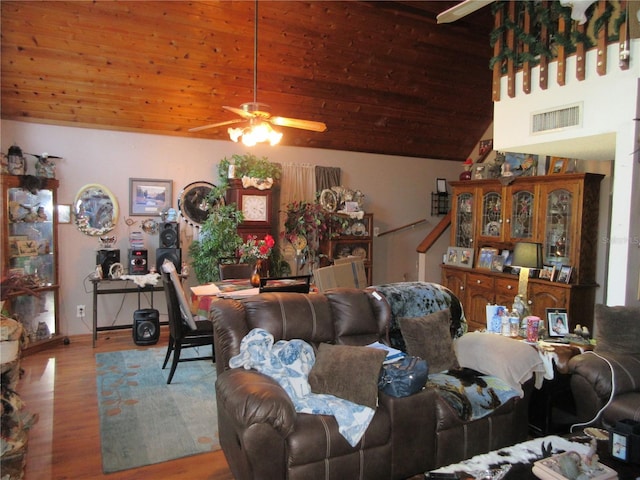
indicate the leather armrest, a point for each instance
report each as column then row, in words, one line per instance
column 596, row 372
column 250, row 398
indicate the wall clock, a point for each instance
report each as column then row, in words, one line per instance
column 193, row 202
column 255, row 205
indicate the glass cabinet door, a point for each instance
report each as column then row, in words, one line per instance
column 31, row 235
column 491, row 217
column 558, row 243
column 464, row 220
column 521, row 219
column 29, row 224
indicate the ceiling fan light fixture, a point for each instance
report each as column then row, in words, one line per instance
column 259, row 132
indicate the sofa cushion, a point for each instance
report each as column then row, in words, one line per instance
column 348, row 372
column 428, row 337
column 618, row 329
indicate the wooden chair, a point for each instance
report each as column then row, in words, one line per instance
column 184, row 330
column 297, row 283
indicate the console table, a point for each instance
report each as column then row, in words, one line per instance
column 103, row 286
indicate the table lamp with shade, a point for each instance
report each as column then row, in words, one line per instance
column 526, row 255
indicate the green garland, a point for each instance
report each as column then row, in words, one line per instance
column 546, row 17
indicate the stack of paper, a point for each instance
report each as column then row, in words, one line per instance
column 393, row 354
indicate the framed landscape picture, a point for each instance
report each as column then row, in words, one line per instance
column 148, row 196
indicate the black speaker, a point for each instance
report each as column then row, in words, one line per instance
column 170, row 235
column 107, row 257
column 173, row 254
column 146, row 326
column 138, row 264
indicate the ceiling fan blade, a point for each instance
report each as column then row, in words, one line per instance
column 297, row 123
column 219, row 124
column 461, row 10
column 239, row 111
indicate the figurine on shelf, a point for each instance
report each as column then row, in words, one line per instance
column 466, row 175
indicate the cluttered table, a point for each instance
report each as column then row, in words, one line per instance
column 203, row 295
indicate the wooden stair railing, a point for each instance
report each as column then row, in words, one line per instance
column 434, row 234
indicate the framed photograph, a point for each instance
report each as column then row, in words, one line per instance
column 548, row 272
column 485, row 257
column 557, row 322
column 28, row 248
column 564, row 274
column 64, row 213
column 148, row 196
column 484, row 147
column 497, row 263
column 14, row 251
column 495, row 314
column 558, row 165
column 619, row 445
column 452, row 256
column 465, row 257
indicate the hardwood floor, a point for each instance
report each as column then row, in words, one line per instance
column 59, row 385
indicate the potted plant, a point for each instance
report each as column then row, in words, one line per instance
column 306, row 225
column 248, row 165
column 218, row 238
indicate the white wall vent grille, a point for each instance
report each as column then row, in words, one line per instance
column 570, row 116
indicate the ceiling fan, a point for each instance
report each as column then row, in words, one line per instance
column 461, row 10
column 257, row 114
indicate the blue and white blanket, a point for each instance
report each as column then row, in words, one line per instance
column 289, row 363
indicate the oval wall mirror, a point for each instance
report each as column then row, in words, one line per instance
column 95, row 209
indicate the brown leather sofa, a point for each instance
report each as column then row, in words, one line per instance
column 264, row 438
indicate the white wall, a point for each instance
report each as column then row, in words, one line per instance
column 397, row 191
column 608, row 132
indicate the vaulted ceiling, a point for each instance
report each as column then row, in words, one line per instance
column 383, row 76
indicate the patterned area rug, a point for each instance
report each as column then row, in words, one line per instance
column 145, row 421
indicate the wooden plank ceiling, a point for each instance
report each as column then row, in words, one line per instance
column 383, row 76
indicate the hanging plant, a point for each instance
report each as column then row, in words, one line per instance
column 248, row 165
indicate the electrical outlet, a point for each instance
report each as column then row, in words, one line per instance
column 80, row 311
column 376, row 231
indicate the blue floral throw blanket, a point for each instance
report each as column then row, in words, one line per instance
column 289, row 363
column 471, row 394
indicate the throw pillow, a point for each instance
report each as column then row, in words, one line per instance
column 348, row 372
column 428, row 337
column 617, row 329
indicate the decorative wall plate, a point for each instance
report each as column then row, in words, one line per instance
column 492, row 229
column 193, row 204
column 358, row 229
column 359, row 252
column 150, row 226
column 328, row 200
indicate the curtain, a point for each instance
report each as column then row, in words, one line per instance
column 327, row 177
column 298, row 183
